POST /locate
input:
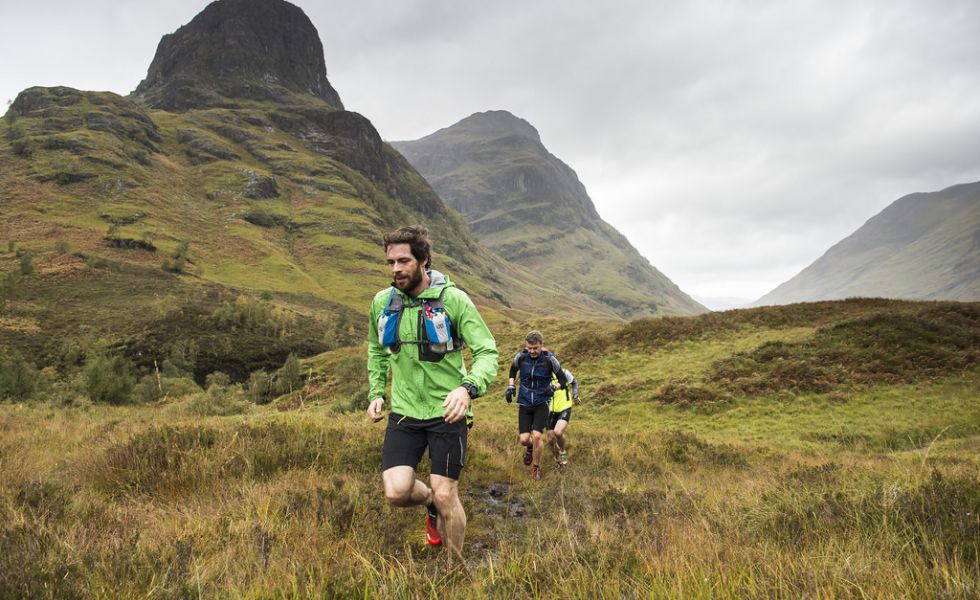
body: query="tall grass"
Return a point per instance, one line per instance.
(679, 486)
(289, 504)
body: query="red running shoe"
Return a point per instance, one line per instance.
(536, 473)
(527, 457)
(431, 533)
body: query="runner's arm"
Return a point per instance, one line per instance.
(377, 358)
(477, 336)
(559, 372)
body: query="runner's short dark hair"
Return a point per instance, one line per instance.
(534, 337)
(417, 237)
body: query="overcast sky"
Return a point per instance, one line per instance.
(732, 142)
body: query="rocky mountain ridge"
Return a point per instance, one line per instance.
(527, 205)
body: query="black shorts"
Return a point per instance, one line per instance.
(553, 418)
(532, 417)
(406, 440)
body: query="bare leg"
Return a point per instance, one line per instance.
(553, 442)
(537, 448)
(403, 489)
(559, 435)
(452, 517)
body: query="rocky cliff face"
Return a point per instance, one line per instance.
(238, 50)
(530, 207)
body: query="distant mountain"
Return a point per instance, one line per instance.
(230, 205)
(723, 303)
(923, 246)
(529, 207)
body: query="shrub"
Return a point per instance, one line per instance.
(684, 394)
(21, 148)
(263, 218)
(179, 262)
(216, 379)
(18, 378)
(352, 384)
(26, 263)
(142, 157)
(114, 241)
(108, 379)
(218, 401)
(290, 376)
(149, 389)
(260, 387)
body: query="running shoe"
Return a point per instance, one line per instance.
(527, 457)
(431, 533)
(563, 458)
(536, 473)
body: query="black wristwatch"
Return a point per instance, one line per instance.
(471, 390)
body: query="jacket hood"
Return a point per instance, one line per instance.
(437, 281)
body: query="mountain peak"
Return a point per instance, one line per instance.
(494, 123)
(239, 49)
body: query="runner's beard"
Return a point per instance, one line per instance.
(412, 282)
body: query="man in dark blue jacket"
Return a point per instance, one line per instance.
(535, 366)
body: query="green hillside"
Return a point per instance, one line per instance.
(530, 208)
(812, 450)
(921, 247)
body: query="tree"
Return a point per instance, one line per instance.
(290, 376)
(108, 379)
(18, 378)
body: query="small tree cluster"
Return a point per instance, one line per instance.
(253, 315)
(263, 387)
(18, 378)
(343, 329)
(108, 379)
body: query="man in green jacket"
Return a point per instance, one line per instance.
(418, 328)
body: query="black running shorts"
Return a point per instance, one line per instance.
(532, 417)
(406, 440)
(553, 418)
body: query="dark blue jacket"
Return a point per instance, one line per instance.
(535, 377)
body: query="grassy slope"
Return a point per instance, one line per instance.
(157, 179)
(869, 489)
(923, 246)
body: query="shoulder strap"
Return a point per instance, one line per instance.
(395, 303)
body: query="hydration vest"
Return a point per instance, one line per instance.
(436, 337)
(535, 377)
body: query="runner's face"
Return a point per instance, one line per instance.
(406, 270)
(533, 350)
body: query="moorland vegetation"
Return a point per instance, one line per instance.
(814, 450)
